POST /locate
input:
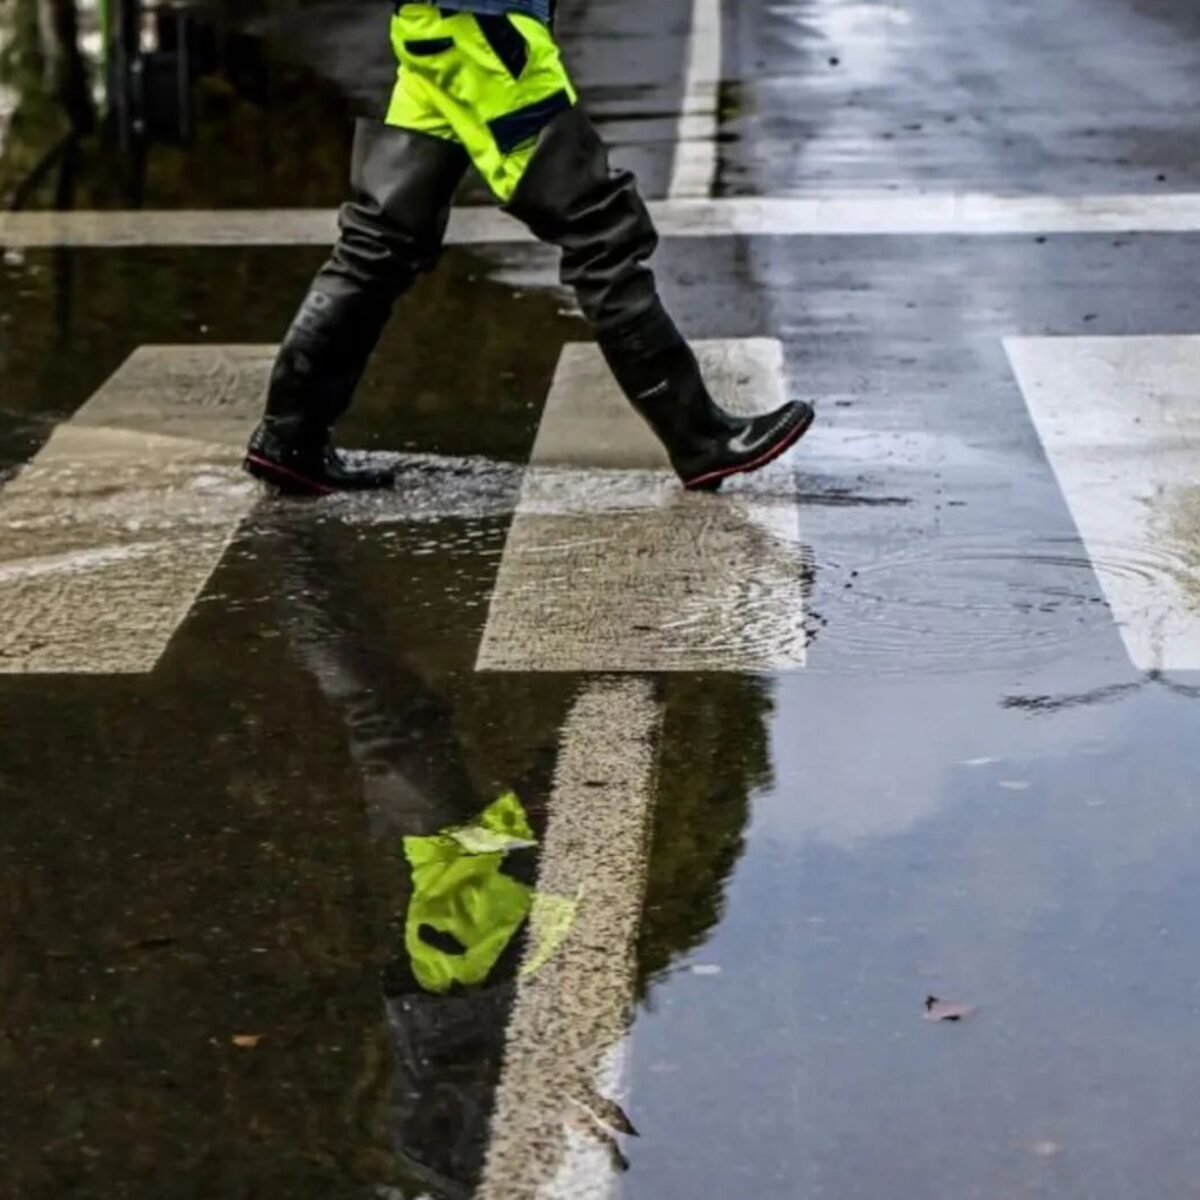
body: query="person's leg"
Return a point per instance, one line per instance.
(569, 196)
(500, 84)
(403, 180)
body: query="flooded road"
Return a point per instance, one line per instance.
(536, 830)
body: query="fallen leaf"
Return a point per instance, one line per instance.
(942, 1010)
(247, 1041)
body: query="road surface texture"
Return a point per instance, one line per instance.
(537, 832)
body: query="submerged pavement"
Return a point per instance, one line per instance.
(539, 831)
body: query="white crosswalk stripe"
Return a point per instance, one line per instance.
(610, 566)
(115, 527)
(1120, 421)
(557, 1114)
(950, 214)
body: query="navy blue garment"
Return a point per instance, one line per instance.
(541, 9)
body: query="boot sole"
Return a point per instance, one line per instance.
(712, 480)
(290, 483)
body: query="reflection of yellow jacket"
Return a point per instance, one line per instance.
(465, 910)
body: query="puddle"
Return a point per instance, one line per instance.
(221, 968)
(949, 604)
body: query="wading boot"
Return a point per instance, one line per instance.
(570, 197)
(659, 374)
(312, 382)
(389, 233)
(299, 467)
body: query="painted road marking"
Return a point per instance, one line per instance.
(933, 214)
(611, 567)
(695, 168)
(112, 531)
(557, 1104)
(1120, 420)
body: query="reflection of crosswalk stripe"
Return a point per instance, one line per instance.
(115, 527)
(952, 214)
(556, 1108)
(610, 566)
(1120, 420)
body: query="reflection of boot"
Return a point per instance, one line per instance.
(390, 232)
(571, 198)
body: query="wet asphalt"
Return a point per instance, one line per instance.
(969, 792)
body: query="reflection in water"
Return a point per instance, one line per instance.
(1036, 705)
(1183, 537)
(195, 111)
(46, 103)
(466, 908)
(463, 871)
(474, 926)
(715, 757)
(449, 994)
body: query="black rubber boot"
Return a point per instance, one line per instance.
(659, 373)
(390, 232)
(299, 465)
(571, 198)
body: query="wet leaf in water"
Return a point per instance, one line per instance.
(943, 1010)
(247, 1041)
